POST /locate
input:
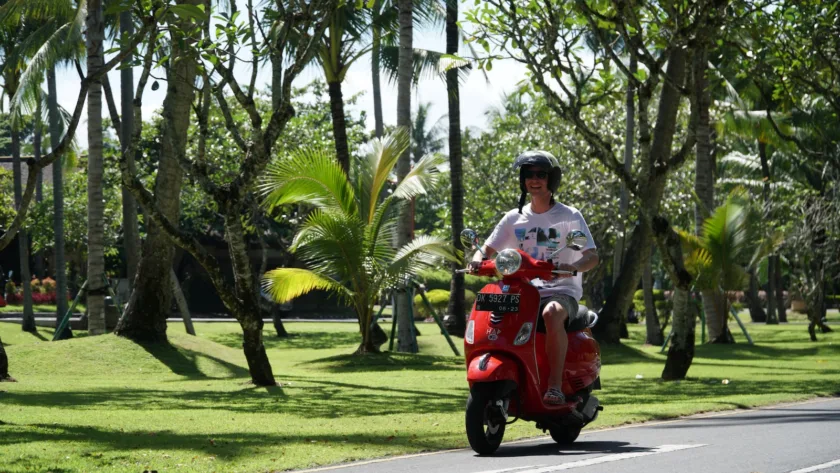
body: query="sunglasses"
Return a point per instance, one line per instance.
(530, 174)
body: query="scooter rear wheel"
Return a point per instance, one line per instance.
(485, 424)
(564, 435)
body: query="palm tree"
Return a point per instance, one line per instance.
(405, 224)
(15, 28)
(347, 241)
(131, 232)
(425, 139)
(57, 38)
(96, 208)
(728, 247)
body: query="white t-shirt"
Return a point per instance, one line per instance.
(539, 235)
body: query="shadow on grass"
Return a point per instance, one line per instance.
(39, 335)
(303, 340)
(629, 391)
(625, 354)
(185, 362)
(299, 396)
(386, 362)
(225, 445)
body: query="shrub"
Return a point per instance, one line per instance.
(439, 300)
(10, 291)
(48, 283)
(441, 279)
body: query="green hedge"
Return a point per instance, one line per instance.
(441, 279)
(439, 299)
(663, 306)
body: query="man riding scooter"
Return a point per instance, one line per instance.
(538, 228)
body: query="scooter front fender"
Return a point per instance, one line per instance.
(490, 367)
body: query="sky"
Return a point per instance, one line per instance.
(478, 93)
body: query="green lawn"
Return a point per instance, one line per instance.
(107, 404)
(48, 308)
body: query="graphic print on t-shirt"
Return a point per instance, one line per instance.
(536, 241)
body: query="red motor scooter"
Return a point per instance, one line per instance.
(507, 367)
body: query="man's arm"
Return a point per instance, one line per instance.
(586, 262)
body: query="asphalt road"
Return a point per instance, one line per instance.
(792, 438)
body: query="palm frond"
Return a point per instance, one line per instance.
(422, 252)
(331, 242)
(284, 284)
(427, 64)
(380, 162)
(420, 179)
(756, 184)
(308, 175)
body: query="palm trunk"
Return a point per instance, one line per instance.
(250, 318)
(653, 330)
(629, 139)
(376, 50)
(405, 325)
(704, 180)
(28, 324)
(339, 126)
(608, 329)
(780, 293)
(771, 267)
(58, 207)
(39, 189)
(131, 232)
(4, 365)
(151, 300)
(456, 308)
(97, 286)
(757, 313)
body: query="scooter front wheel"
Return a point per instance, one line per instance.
(564, 435)
(484, 421)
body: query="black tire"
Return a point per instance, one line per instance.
(484, 430)
(564, 435)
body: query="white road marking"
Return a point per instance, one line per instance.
(821, 466)
(606, 459)
(508, 470)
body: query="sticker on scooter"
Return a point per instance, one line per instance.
(493, 334)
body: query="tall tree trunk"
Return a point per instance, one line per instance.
(653, 330)
(28, 324)
(456, 308)
(771, 266)
(375, 53)
(131, 232)
(39, 188)
(250, 319)
(629, 140)
(683, 320)
(97, 286)
(405, 332)
(151, 300)
(4, 365)
(704, 181)
(58, 206)
(780, 293)
(757, 313)
(339, 124)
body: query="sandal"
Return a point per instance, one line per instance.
(554, 397)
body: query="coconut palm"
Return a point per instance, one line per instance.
(347, 241)
(730, 244)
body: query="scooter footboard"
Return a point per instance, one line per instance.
(492, 367)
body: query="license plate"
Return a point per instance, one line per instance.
(498, 303)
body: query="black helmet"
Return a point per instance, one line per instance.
(542, 159)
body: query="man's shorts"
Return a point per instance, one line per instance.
(567, 302)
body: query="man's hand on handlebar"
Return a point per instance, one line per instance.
(565, 270)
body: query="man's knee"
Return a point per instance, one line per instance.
(555, 315)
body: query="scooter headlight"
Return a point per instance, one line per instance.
(469, 336)
(508, 261)
(524, 334)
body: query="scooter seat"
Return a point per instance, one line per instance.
(585, 318)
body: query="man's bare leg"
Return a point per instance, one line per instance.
(556, 342)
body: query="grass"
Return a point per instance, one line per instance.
(107, 404)
(48, 308)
